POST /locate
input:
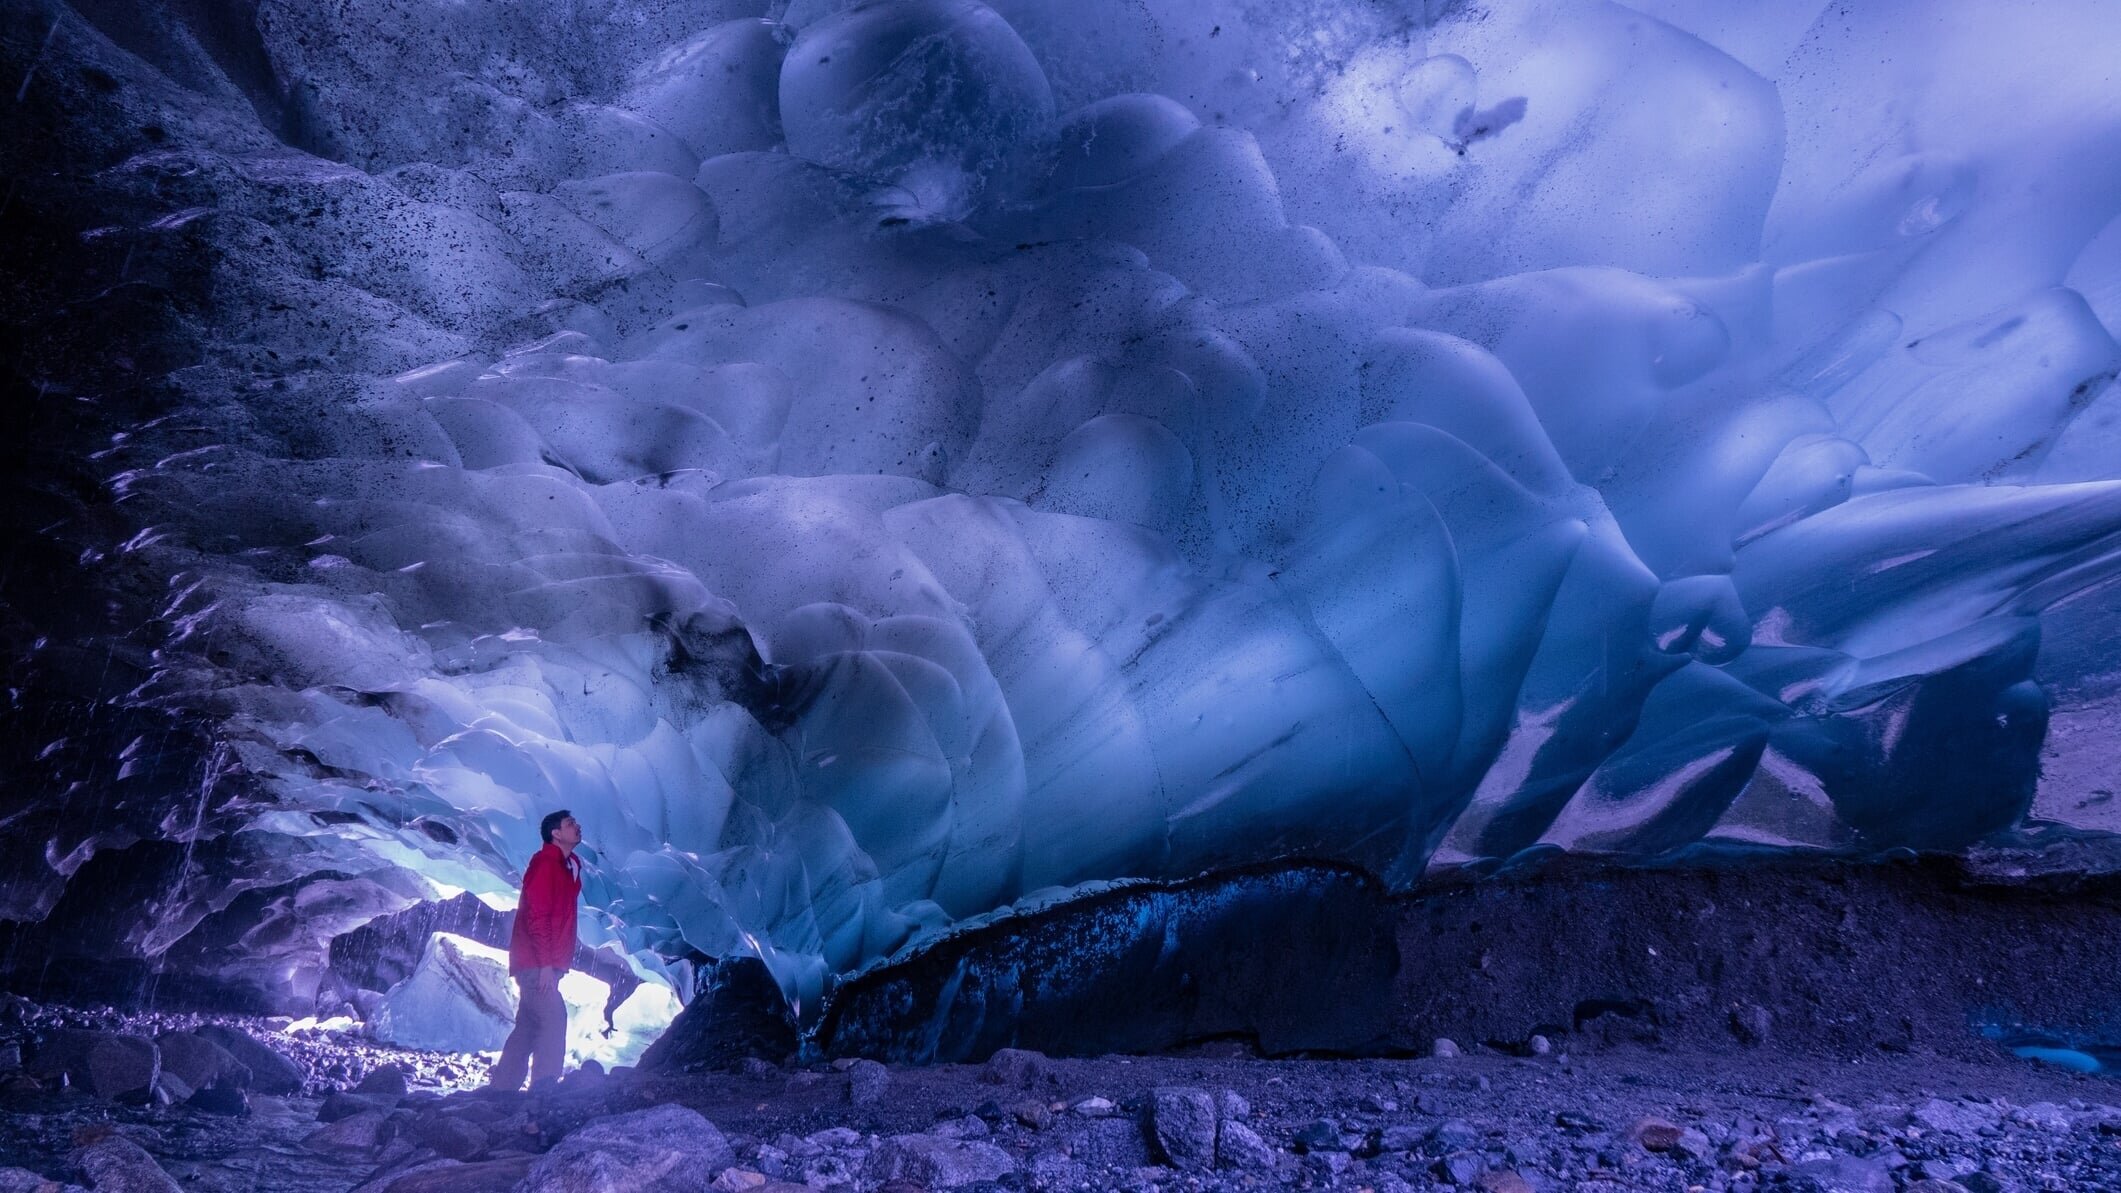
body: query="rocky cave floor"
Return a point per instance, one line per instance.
(1586, 1114)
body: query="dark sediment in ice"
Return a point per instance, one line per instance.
(1297, 959)
(739, 1014)
(1811, 955)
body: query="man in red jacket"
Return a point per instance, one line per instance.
(539, 951)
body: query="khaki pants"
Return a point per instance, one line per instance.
(539, 1041)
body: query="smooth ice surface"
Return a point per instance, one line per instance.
(877, 463)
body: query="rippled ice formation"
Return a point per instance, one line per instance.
(877, 463)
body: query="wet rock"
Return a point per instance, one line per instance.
(388, 1081)
(270, 1072)
(1017, 1067)
(449, 1176)
(1239, 1147)
(124, 1066)
(199, 1061)
(116, 1164)
(345, 1105)
(357, 1133)
(936, 1163)
(450, 1136)
(589, 1076)
(107, 1064)
(866, 1082)
(168, 1090)
(227, 1101)
(62, 1052)
(664, 1149)
(1181, 1125)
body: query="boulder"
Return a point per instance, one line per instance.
(168, 1090)
(226, 1100)
(1019, 1067)
(935, 1163)
(740, 1013)
(270, 1072)
(664, 1149)
(121, 1066)
(115, 1164)
(356, 1134)
(866, 1082)
(450, 1135)
(388, 1080)
(201, 1062)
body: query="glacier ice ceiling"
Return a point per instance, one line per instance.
(880, 464)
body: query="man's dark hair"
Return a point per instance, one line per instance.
(550, 823)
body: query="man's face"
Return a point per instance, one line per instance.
(568, 835)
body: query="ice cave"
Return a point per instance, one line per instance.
(896, 469)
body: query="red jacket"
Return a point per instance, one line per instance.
(544, 931)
